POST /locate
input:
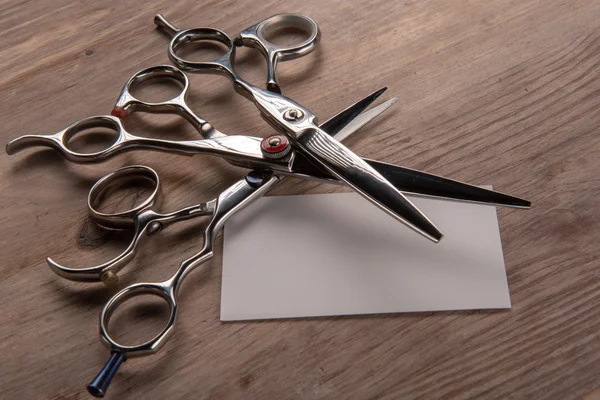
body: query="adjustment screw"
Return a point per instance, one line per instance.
(293, 114)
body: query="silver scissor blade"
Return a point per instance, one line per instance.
(336, 123)
(411, 181)
(361, 120)
(342, 163)
(421, 183)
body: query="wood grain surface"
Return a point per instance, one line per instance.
(491, 92)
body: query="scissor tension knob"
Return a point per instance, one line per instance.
(293, 114)
(275, 146)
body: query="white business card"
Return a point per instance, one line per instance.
(336, 254)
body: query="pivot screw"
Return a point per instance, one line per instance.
(293, 114)
(275, 146)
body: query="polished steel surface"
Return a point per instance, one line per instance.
(357, 122)
(245, 152)
(232, 199)
(366, 181)
(254, 36)
(244, 149)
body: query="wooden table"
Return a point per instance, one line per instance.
(496, 92)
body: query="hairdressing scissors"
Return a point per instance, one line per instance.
(297, 123)
(272, 153)
(246, 151)
(232, 199)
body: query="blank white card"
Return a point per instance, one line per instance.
(336, 254)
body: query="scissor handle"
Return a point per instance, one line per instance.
(128, 103)
(60, 140)
(239, 195)
(255, 36)
(120, 353)
(234, 198)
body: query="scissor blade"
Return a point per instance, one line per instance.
(411, 181)
(342, 163)
(337, 123)
(421, 183)
(361, 120)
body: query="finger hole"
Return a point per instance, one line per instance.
(201, 45)
(91, 139)
(139, 318)
(286, 36)
(117, 197)
(202, 51)
(288, 30)
(157, 88)
(124, 195)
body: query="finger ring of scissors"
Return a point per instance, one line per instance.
(128, 103)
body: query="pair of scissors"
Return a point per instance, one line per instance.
(296, 122)
(232, 199)
(271, 153)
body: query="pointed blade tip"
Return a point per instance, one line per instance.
(435, 236)
(380, 91)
